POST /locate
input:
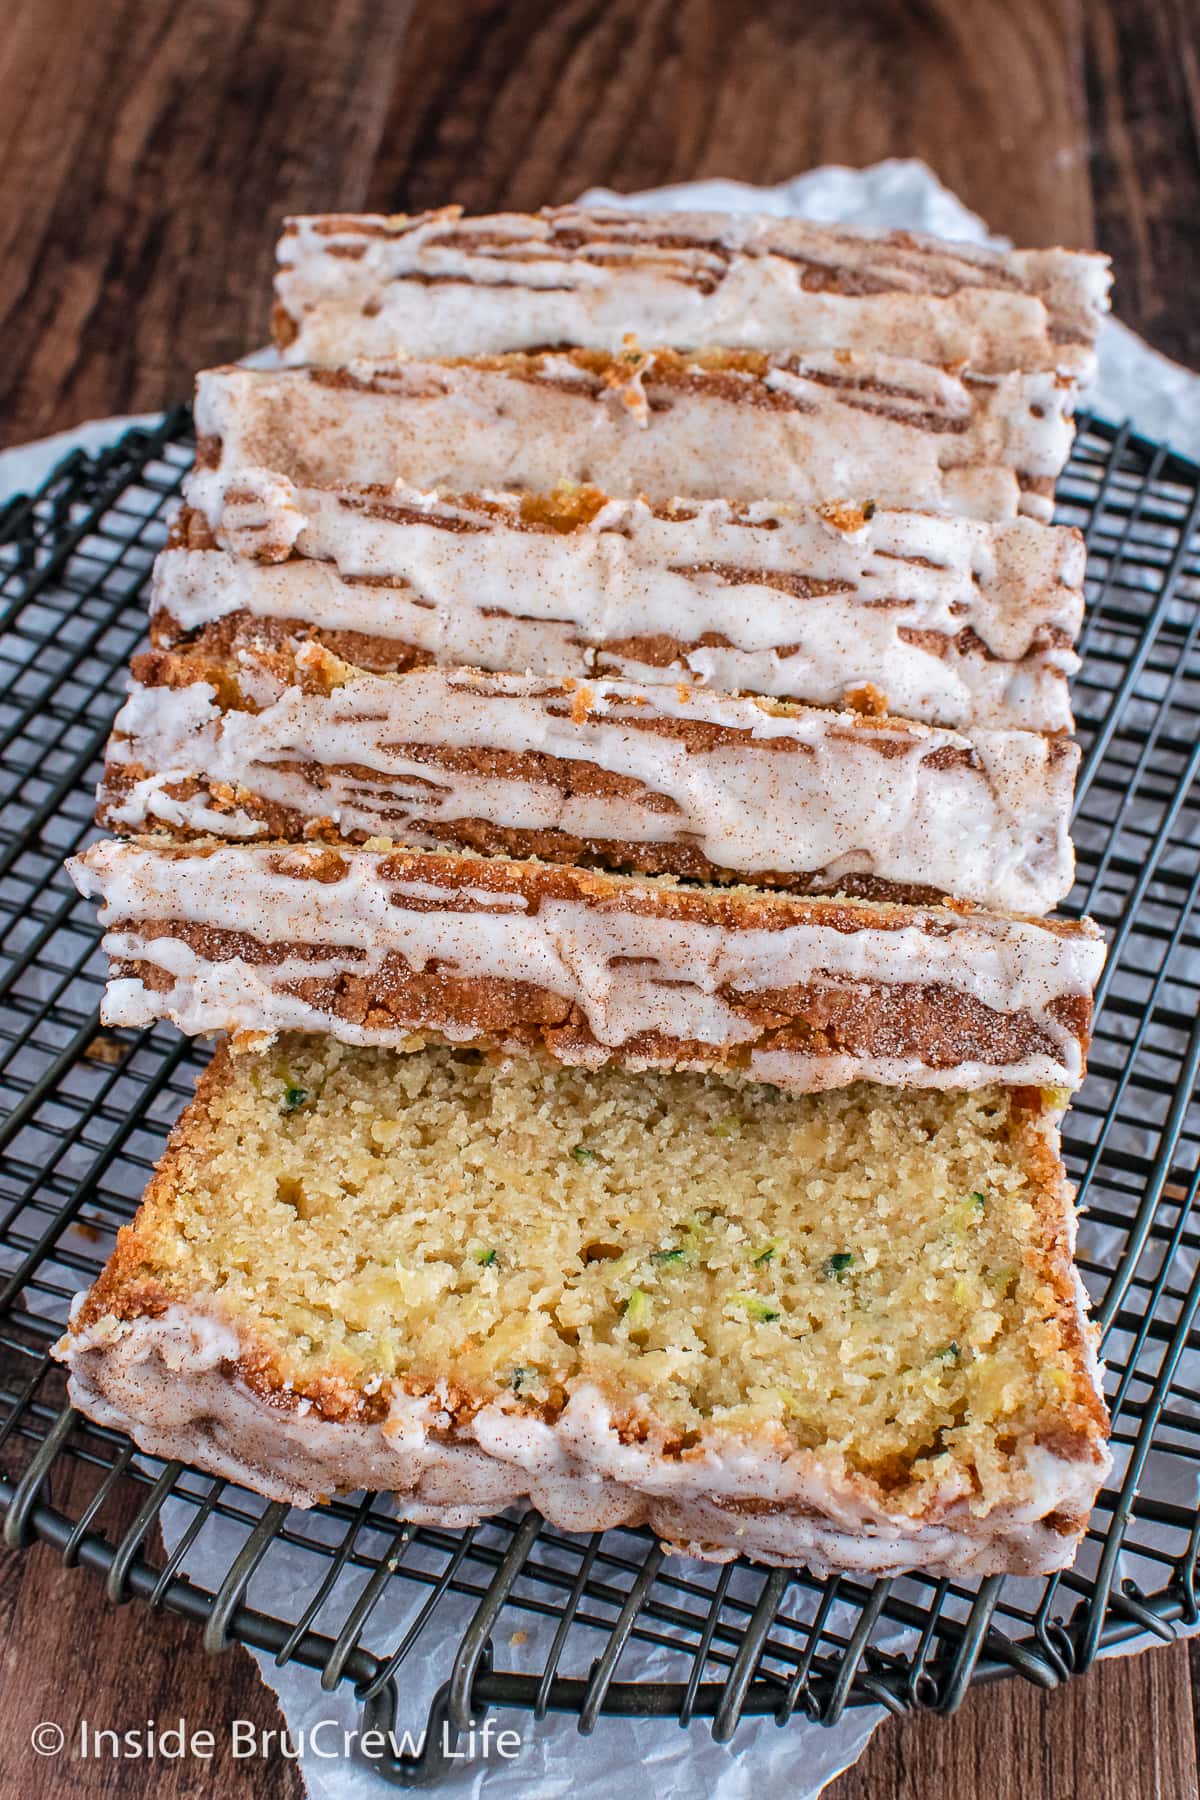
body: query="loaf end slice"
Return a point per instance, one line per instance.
(840, 1330)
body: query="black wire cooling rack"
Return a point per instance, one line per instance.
(604, 1624)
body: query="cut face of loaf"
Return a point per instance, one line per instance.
(439, 284)
(946, 620)
(658, 780)
(717, 425)
(375, 945)
(840, 1330)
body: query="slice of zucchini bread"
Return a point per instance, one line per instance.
(374, 944)
(947, 620)
(717, 425)
(436, 283)
(841, 1330)
(295, 743)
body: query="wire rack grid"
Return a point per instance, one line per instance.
(86, 1112)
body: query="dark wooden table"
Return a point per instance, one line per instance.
(149, 149)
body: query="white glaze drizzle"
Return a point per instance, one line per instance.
(493, 595)
(359, 287)
(801, 792)
(828, 423)
(628, 972)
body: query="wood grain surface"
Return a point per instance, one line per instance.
(150, 148)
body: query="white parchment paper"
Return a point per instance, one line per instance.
(644, 1756)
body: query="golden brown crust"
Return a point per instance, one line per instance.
(284, 329)
(121, 1288)
(221, 639)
